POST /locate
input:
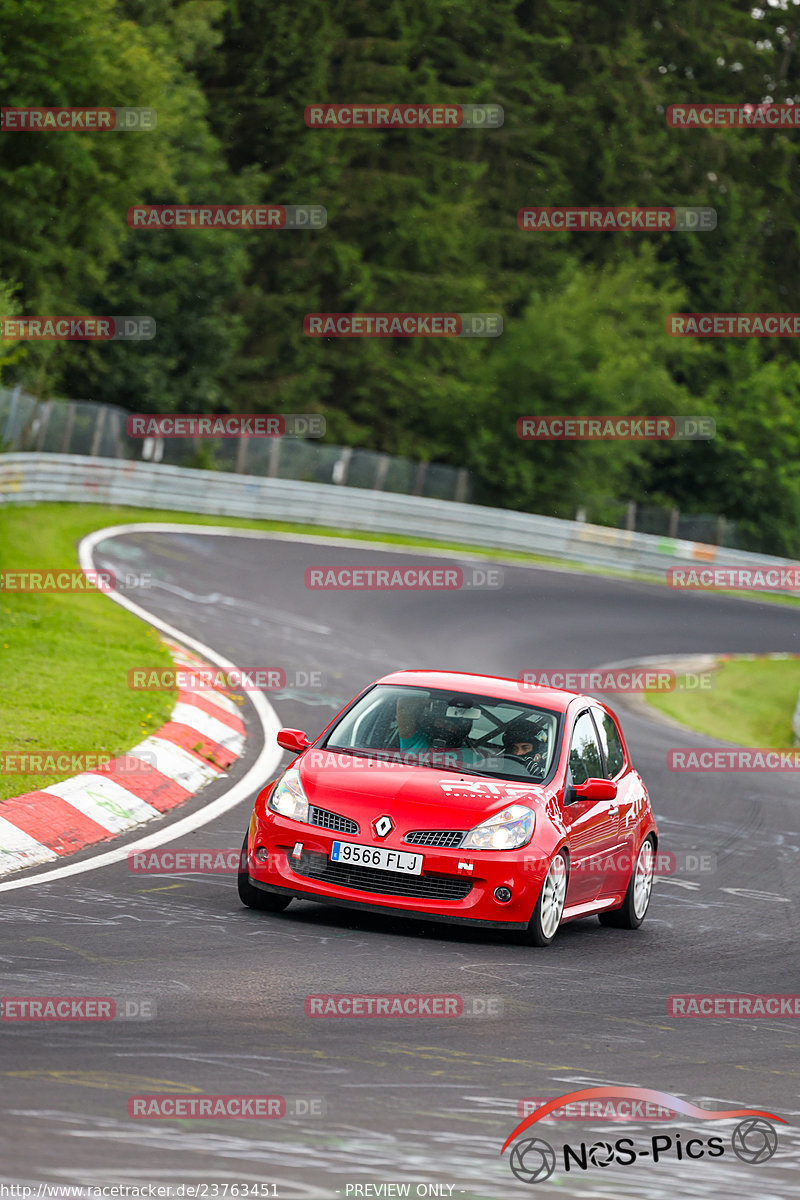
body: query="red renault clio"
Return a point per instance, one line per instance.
(456, 797)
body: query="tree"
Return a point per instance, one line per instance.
(64, 197)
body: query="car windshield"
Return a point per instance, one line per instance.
(450, 730)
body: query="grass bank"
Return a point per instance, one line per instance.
(751, 702)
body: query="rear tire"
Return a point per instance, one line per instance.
(254, 897)
(543, 925)
(640, 889)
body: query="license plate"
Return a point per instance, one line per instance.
(378, 857)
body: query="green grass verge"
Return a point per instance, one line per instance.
(65, 657)
(750, 703)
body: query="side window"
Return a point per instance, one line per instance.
(584, 752)
(610, 741)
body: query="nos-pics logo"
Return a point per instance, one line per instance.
(534, 1160)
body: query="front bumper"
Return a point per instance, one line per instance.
(443, 892)
(364, 906)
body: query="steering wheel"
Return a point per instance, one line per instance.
(534, 765)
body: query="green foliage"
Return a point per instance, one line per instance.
(9, 307)
(64, 198)
(426, 221)
(583, 346)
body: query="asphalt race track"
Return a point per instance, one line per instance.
(427, 1101)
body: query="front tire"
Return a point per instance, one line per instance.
(640, 889)
(254, 897)
(543, 925)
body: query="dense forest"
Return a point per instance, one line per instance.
(424, 221)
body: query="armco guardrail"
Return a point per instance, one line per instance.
(32, 426)
(32, 478)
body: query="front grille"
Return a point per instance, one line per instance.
(367, 879)
(330, 820)
(449, 838)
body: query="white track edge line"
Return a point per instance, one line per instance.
(259, 772)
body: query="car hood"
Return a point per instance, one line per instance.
(416, 797)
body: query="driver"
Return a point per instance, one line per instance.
(527, 741)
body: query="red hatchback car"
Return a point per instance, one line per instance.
(457, 797)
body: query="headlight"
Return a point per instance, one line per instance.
(506, 830)
(288, 798)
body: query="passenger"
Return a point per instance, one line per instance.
(409, 715)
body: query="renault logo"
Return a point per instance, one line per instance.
(383, 826)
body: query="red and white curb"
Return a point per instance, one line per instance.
(204, 736)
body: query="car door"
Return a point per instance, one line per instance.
(630, 794)
(592, 825)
